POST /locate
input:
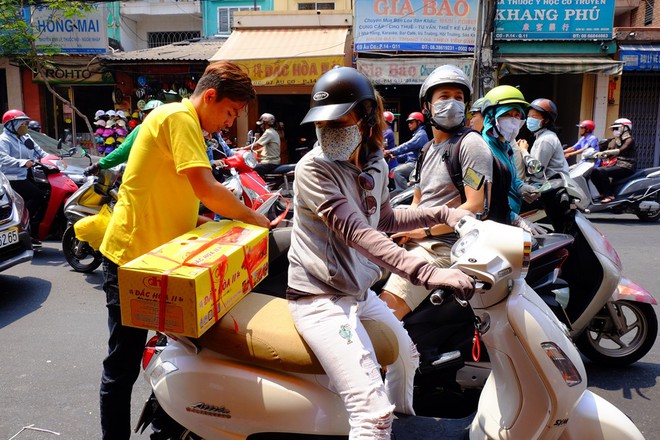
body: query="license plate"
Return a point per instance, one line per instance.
(8, 237)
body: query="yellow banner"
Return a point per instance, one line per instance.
(289, 71)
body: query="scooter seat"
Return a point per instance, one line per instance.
(284, 169)
(639, 174)
(267, 337)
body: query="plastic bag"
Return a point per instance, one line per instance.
(92, 229)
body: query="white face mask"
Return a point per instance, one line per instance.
(509, 127)
(338, 143)
(449, 113)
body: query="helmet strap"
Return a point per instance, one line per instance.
(10, 127)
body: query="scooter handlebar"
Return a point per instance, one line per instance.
(439, 296)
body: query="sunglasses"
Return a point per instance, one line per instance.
(367, 184)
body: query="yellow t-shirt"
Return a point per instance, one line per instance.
(156, 201)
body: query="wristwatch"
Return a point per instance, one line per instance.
(427, 231)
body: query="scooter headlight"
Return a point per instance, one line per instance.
(233, 184)
(250, 159)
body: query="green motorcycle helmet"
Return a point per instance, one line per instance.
(503, 95)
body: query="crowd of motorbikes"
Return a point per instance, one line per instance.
(538, 301)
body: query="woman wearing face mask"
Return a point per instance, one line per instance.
(547, 148)
(619, 159)
(342, 202)
(504, 111)
(18, 152)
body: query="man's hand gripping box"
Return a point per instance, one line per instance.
(187, 284)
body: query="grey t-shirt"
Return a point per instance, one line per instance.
(271, 143)
(548, 150)
(435, 183)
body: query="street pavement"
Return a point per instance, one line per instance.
(53, 337)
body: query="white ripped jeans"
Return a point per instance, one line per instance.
(331, 327)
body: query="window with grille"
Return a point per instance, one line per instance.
(648, 12)
(226, 18)
(316, 6)
(157, 39)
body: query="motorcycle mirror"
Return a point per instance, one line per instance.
(533, 166)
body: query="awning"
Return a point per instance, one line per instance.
(285, 56)
(558, 65)
(643, 57)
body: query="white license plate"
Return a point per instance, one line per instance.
(8, 237)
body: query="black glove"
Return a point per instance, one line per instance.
(92, 170)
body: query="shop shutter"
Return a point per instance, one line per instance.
(640, 102)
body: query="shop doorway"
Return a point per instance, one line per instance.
(640, 102)
(87, 99)
(289, 110)
(564, 90)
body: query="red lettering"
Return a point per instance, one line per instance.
(461, 8)
(393, 7)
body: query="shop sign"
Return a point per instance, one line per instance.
(407, 71)
(87, 73)
(416, 25)
(554, 19)
(82, 34)
(643, 58)
(289, 71)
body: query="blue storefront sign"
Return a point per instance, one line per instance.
(84, 33)
(554, 19)
(416, 25)
(644, 57)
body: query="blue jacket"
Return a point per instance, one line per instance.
(14, 154)
(409, 151)
(388, 134)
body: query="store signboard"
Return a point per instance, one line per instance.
(416, 25)
(67, 72)
(289, 71)
(554, 19)
(85, 33)
(407, 71)
(640, 57)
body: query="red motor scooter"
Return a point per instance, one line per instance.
(238, 175)
(57, 187)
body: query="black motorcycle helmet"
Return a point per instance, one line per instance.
(34, 125)
(337, 92)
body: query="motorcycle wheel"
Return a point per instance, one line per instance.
(650, 217)
(79, 255)
(603, 343)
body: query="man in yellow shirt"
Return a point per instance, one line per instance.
(167, 174)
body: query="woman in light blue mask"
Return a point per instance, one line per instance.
(342, 207)
(504, 115)
(547, 148)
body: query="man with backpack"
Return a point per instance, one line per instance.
(454, 169)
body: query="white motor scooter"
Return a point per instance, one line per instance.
(262, 381)
(637, 194)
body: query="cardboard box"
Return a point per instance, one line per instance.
(187, 284)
